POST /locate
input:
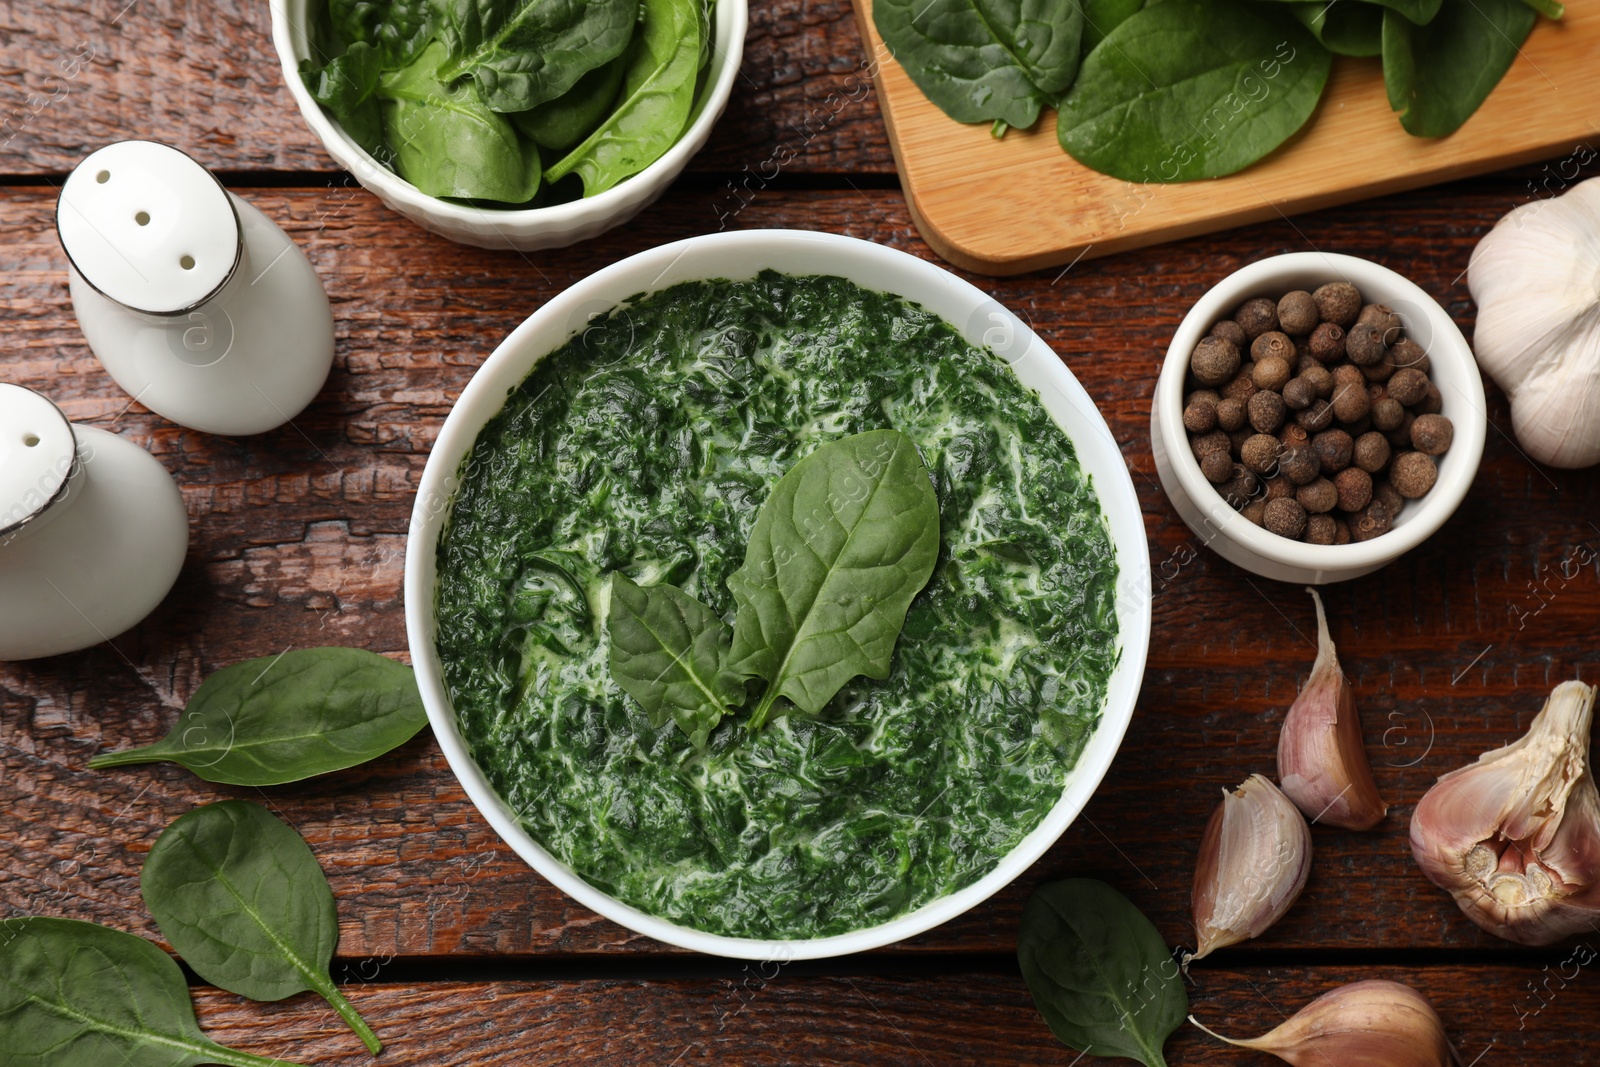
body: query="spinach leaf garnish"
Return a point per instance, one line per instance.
(841, 546)
(240, 897)
(670, 652)
(521, 53)
(1098, 970)
(1437, 75)
(76, 992)
(657, 96)
(1191, 89)
(983, 60)
(279, 719)
(845, 540)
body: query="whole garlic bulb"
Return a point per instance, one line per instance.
(1536, 280)
(1515, 837)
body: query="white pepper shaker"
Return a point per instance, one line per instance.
(93, 530)
(196, 303)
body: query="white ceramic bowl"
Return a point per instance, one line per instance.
(1234, 537)
(741, 255)
(532, 228)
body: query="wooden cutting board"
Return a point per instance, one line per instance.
(1021, 203)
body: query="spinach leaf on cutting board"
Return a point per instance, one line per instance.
(670, 653)
(241, 898)
(1437, 75)
(1189, 89)
(521, 53)
(77, 993)
(1098, 970)
(985, 60)
(279, 719)
(657, 97)
(843, 543)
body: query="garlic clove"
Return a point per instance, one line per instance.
(1373, 1023)
(1254, 860)
(1515, 837)
(1536, 279)
(1321, 762)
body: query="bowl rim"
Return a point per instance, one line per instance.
(731, 20)
(1378, 284)
(565, 315)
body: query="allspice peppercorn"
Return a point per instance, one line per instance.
(1327, 342)
(1215, 361)
(1317, 496)
(1321, 529)
(1241, 388)
(1408, 385)
(1254, 511)
(1217, 467)
(1266, 411)
(1238, 490)
(1387, 414)
(1384, 318)
(1433, 403)
(1432, 434)
(1215, 441)
(1260, 453)
(1333, 448)
(1200, 416)
(1400, 436)
(1297, 313)
(1341, 532)
(1338, 303)
(1232, 332)
(1413, 474)
(1407, 353)
(1355, 488)
(1374, 520)
(1270, 371)
(1350, 401)
(1230, 414)
(1386, 493)
(1272, 343)
(1321, 379)
(1379, 371)
(1317, 417)
(1299, 464)
(1257, 316)
(1278, 487)
(1371, 452)
(1298, 393)
(1363, 344)
(1284, 517)
(1293, 434)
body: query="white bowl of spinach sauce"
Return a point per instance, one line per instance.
(634, 426)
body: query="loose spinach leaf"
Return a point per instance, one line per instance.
(657, 97)
(240, 897)
(447, 143)
(982, 60)
(561, 123)
(841, 546)
(280, 719)
(670, 652)
(1345, 27)
(522, 53)
(1099, 972)
(1439, 74)
(1100, 17)
(1191, 89)
(77, 993)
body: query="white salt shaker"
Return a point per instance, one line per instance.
(196, 303)
(92, 530)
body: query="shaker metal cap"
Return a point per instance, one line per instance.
(148, 226)
(37, 452)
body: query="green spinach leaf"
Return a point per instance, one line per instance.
(77, 993)
(1345, 27)
(398, 30)
(1099, 972)
(447, 143)
(670, 652)
(1437, 75)
(657, 97)
(841, 546)
(240, 897)
(1100, 17)
(561, 123)
(521, 53)
(280, 719)
(985, 60)
(358, 41)
(1191, 89)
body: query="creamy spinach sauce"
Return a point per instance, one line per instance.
(645, 445)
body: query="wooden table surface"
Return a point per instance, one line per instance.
(455, 951)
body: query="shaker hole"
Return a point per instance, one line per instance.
(103, 177)
(186, 262)
(142, 218)
(31, 440)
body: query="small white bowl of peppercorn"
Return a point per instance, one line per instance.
(1317, 417)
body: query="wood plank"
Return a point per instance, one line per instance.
(204, 76)
(769, 1016)
(1055, 209)
(298, 535)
